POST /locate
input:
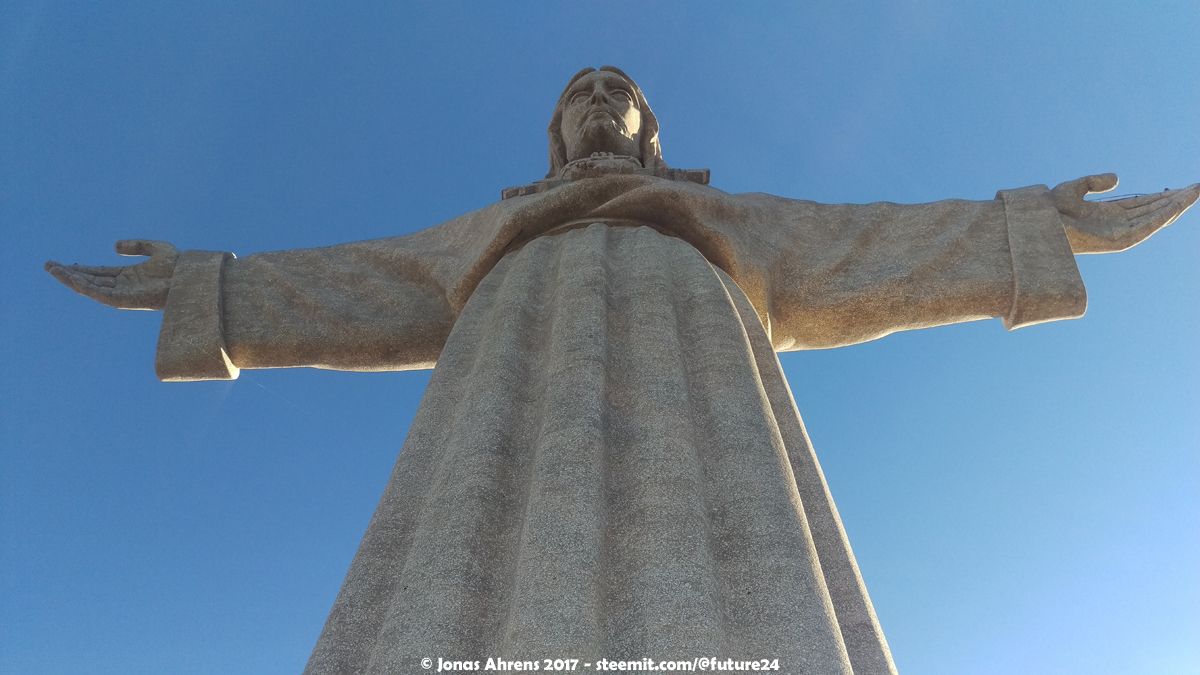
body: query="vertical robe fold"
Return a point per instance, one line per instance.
(608, 462)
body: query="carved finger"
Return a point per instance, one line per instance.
(143, 247)
(1158, 218)
(133, 247)
(1130, 203)
(98, 270)
(1182, 203)
(1081, 187)
(1145, 204)
(1182, 200)
(82, 283)
(85, 273)
(1190, 195)
(59, 271)
(99, 279)
(1187, 195)
(1075, 189)
(1102, 182)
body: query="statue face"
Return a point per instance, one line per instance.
(601, 114)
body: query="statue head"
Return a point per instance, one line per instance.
(603, 111)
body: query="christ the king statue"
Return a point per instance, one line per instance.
(608, 462)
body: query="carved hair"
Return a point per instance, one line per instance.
(648, 137)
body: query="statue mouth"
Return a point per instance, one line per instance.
(604, 118)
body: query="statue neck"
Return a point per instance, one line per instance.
(604, 164)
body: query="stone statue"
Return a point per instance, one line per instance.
(608, 462)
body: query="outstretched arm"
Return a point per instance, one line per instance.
(842, 274)
(366, 306)
(373, 305)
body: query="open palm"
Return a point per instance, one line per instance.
(1108, 227)
(141, 286)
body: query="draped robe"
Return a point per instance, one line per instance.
(608, 462)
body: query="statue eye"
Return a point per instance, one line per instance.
(578, 96)
(621, 93)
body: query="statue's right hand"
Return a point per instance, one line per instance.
(141, 286)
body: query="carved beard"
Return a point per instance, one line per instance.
(604, 133)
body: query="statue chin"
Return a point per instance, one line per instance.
(600, 164)
(602, 136)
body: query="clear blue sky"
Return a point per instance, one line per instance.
(1021, 502)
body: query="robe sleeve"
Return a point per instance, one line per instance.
(842, 274)
(375, 305)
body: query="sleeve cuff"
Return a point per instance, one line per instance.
(1046, 285)
(191, 344)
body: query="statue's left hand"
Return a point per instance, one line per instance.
(141, 286)
(1108, 227)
